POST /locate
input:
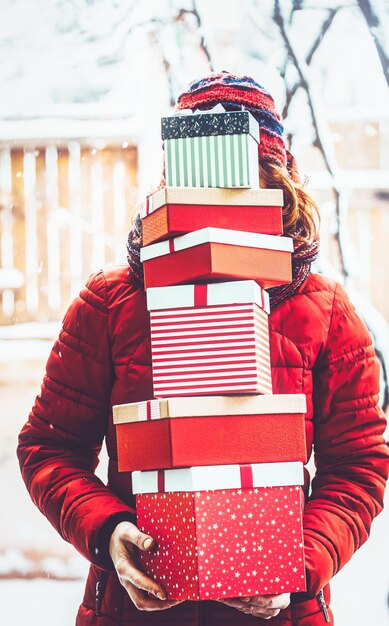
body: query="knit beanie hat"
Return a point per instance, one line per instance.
(237, 93)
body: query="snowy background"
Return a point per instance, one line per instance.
(83, 84)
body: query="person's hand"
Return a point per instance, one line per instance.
(265, 607)
(146, 593)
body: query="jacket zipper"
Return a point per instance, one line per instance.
(100, 588)
(322, 605)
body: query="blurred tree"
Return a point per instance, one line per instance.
(374, 14)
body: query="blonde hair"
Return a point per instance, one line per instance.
(300, 213)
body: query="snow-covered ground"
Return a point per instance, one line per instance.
(39, 602)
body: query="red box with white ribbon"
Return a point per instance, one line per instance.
(239, 429)
(223, 531)
(208, 349)
(212, 254)
(174, 211)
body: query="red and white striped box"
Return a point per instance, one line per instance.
(223, 531)
(202, 348)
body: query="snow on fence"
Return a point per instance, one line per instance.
(64, 212)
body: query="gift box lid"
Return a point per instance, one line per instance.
(208, 294)
(217, 235)
(211, 195)
(213, 477)
(208, 124)
(198, 406)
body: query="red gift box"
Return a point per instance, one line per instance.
(239, 429)
(242, 538)
(212, 254)
(173, 211)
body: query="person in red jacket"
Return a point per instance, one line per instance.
(319, 346)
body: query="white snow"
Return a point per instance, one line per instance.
(13, 560)
(31, 330)
(10, 278)
(27, 342)
(39, 602)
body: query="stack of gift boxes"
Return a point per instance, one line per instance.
(216, 458)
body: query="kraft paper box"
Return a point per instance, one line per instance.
(210, 196)
(169, 213)
(214, 254)
(155, 434)
(223, 531)
(211, 150)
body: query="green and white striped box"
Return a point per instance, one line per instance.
(212, 161)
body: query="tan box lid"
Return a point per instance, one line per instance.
(199, 406)
(211, 195)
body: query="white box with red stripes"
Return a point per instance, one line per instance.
(210, 339)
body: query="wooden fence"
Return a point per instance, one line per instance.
(65, 209)
(64, 212)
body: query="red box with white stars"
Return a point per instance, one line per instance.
(226, 542)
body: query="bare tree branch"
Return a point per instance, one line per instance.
(321, 132)
(324, 28)
(154, 38)
(371, 13)
(203, 44)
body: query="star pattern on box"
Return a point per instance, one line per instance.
(225, 543)
(205, 124)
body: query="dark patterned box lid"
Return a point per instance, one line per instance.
(210, 124)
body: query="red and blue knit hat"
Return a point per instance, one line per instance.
(235, 93)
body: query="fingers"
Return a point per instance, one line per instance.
(135, 536)
(251, 609)
(236, 603)
(263, 613)
(147, 594)
(144, 602)
(264, 607)
(128, 573)
(280, 601)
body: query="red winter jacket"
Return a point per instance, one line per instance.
(319, 347)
